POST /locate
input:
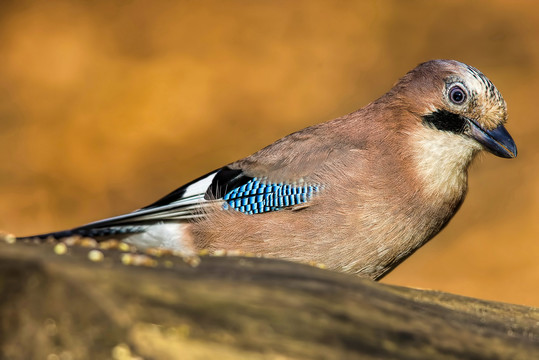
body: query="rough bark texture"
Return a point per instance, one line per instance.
(69, 307)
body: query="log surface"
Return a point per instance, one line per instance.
(236, 308)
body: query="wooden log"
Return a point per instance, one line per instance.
(78, 302)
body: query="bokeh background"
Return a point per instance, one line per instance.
(106, 106)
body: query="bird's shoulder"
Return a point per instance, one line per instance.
(305, 154)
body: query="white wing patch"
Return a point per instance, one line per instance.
(189, 206)
(200, 187)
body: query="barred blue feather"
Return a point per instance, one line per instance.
(258, 196)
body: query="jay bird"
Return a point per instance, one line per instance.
(358, 194)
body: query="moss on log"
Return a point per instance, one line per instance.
(70, 307)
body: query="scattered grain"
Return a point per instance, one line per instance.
(95, 255)
(60, 249)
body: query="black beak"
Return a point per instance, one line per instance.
(497, 141)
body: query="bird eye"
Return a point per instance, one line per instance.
(457, 95)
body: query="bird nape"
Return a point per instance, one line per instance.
(359, 193)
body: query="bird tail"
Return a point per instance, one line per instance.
(163, 212)
(98, 233)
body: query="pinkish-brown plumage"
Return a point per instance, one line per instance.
(388, 178)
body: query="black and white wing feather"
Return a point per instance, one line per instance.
(231, 187)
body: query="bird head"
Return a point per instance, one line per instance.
(452, 97)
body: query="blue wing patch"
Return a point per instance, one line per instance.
(258, 196)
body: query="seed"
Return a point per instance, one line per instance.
(60, 249)
(95, 255)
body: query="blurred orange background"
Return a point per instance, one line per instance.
(106, 106)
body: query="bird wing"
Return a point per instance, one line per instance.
(282, 175)
(184, 203)
(286, 174)
(231, 187)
